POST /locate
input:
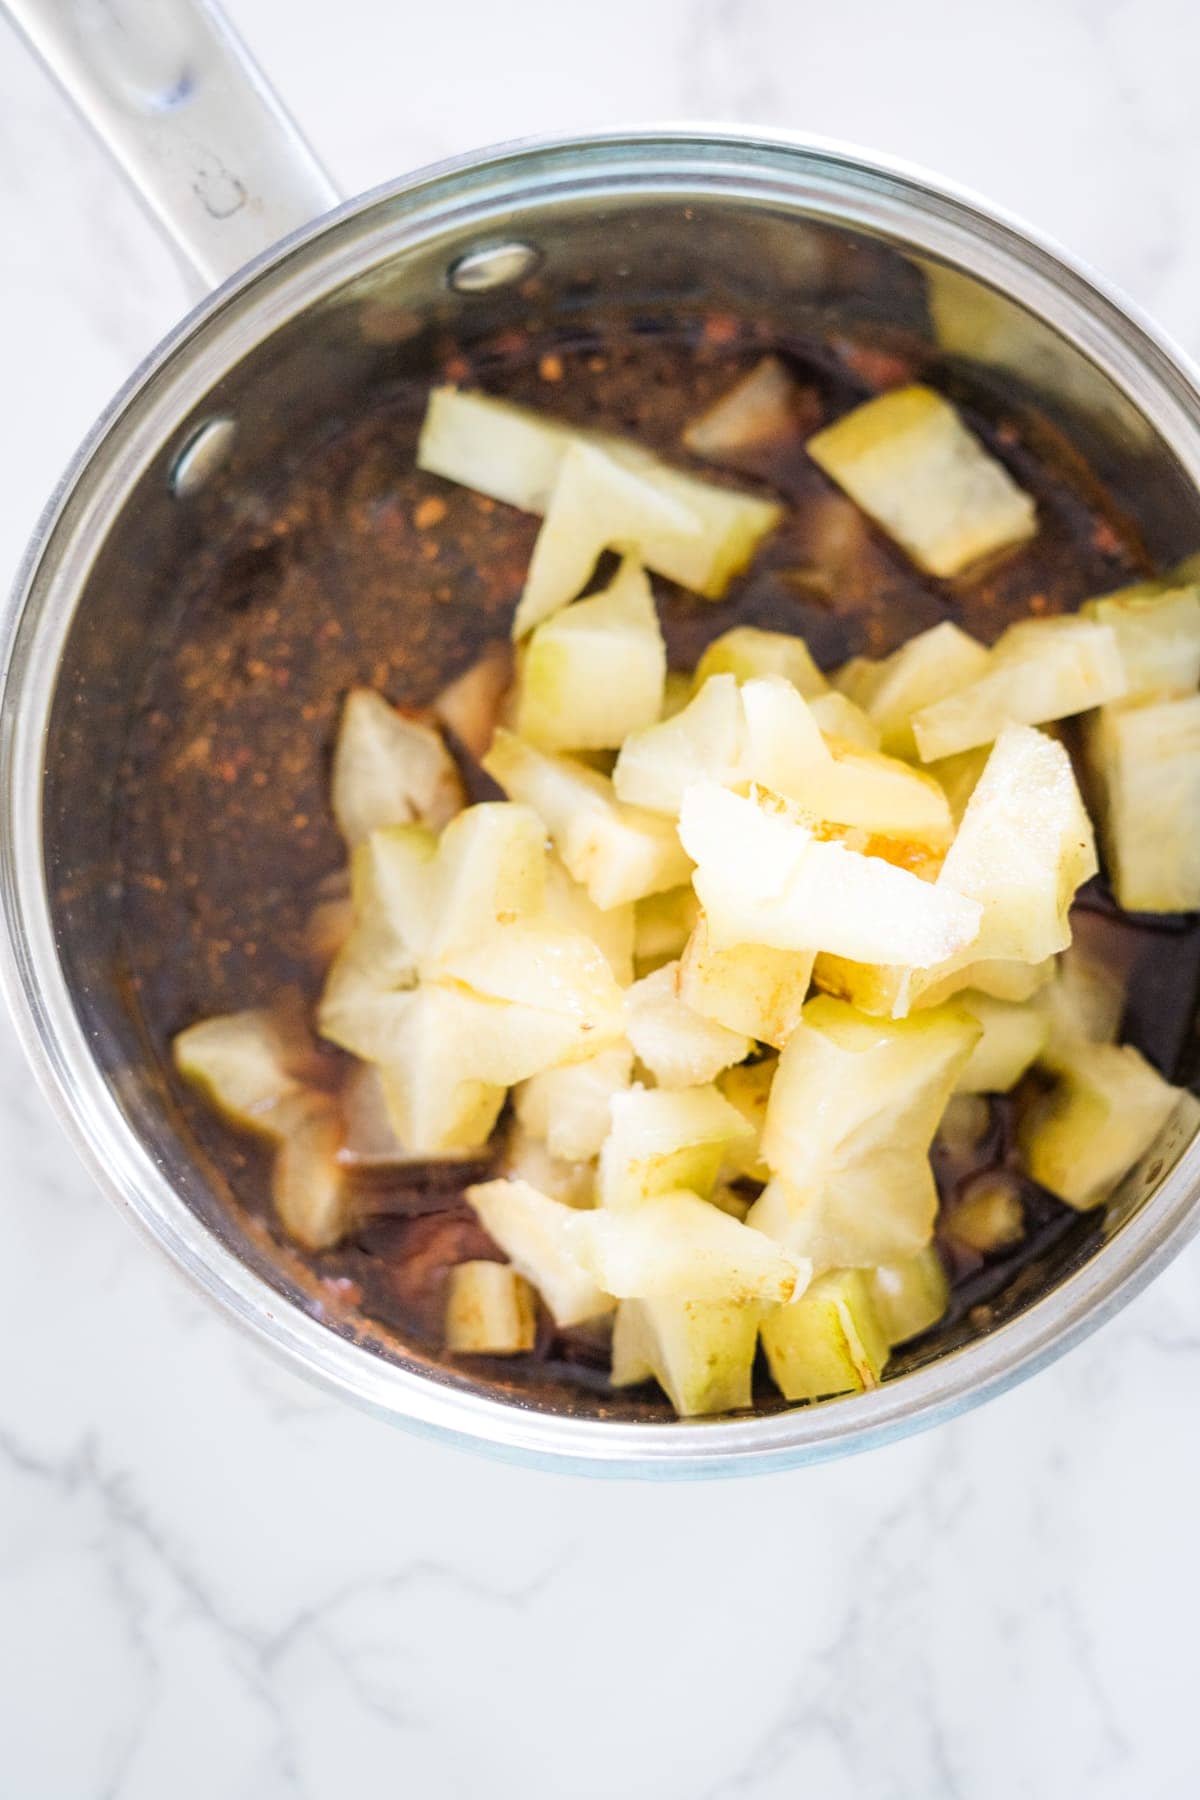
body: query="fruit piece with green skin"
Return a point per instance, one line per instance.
(929, 666)
(677, 1246)
(748, 988)
(1158, 637)
(705, 739)
(828, 1342)
(1038, 671)
(840, 721)
(309, 1188)
(701, 1353)
(516, 455)
(1145, 766)
(909, 1297)
(540, 1237)
(1013, 1038)
(1106, 1110)
(594, 672)
(763, 878)
(908, 461)
(389, 770)
(747, 651)
(853, 1108)
(244, 1065)
(681, 1048)
(757, 411)
(571, 1108)
(489, 1310)
(619, 853)
(596, 505)
(748, 1088)
(661, 1140)
(663, 924)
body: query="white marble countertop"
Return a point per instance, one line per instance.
(217, 1583)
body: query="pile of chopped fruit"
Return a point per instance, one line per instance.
(738, 941)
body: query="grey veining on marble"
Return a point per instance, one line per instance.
(217, 1583)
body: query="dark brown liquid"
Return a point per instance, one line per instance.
(350, 575)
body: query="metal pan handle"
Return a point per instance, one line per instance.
(172, 93)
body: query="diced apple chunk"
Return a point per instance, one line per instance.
(471, 705)
(243, 1064)
(925, 669)
(677, 1246)
(828, 1342)
(594, 672)
(1158, 636)
(571, 1108)
(680, 1047)
(747, 651)
(436, 1098)
(989, 1216)
(619, 853)
(491, 870)
(309, 1188)
(526, 1158)
(763, 878)
(1108, 1107)
(909, 1297)
(909, 461)
(758, 410)
(489, 1310)
(705, 740)
(389, 770)
(748, 988)
(840, 721)
(877, 794)
(540, 1237)
(700, 1353)
(662, 926)
(1146, 765)
(611, 929)
(1013, 1038)
(853, 1109)
(748, 1087)
(662, 1140)
(516, 456)
(1040, 670)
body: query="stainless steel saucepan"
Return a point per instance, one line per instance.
(284, 338)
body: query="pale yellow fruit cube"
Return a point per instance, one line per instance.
(828, 1342)
(389, 770)
(1145, 762)
(594, 672)
(490, 1310)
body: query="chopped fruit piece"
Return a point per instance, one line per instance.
(437, 1099)
(308, 1185)
(370, 1140)
(1013, 1038)
(677, 1246)
(958, 777)
(909, 461)
(1158, 636)
(244, 1065)
(783, 746)
(680, 1047)
(828, 1342)
(747, 651)
(619, 853)
(1105, 1112)
(516, 456)
(329, 926)
(989, 1216)
(1146, 765)
(706, 739)
(757, 411)
(748, 988)
(491, 870)
(594, 672)
(748, 1087)
(526, 1158)
(1003, 980)
(840, 721)
(489, 1310)
(540, 1238)
(874, 793)
(393, 887)
(571, 1108)
(471, 706)
(596, 505)
(611, 928)
(700, 1353)
(1040, 670)
(663, 925)
(909, 1297)
(964, 1124)
(928, 667)
(764, 879)
(853, 1109)
(661, 1140)
(389, 770)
